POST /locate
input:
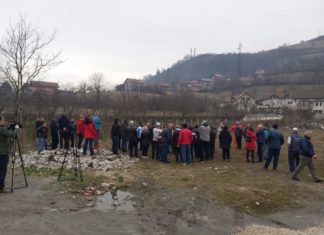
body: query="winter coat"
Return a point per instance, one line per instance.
(185, 137)
(225, 139)
(145, 138)
(63, 122)
(250, 145)
(307, 148)
(43, 132)
(132, 134)
(156, 133)
(204, 133)
(295, 143)
(124, 132)
(97, 122)
(53, 127)
(260, 136)
(5, 136)
(90, 131)
(175, 136)
(38, 127)
(80, 127)
(115, 130)
(275, 139)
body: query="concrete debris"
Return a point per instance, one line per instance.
(103, 162)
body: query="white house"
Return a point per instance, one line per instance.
(244, 102)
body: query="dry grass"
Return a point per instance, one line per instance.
(243, 186)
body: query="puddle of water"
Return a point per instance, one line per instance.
(118, 201)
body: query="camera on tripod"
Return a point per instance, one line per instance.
(12, 125)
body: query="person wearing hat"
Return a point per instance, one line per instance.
(294, 144)
(307, 156)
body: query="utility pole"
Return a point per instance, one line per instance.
(239, 59)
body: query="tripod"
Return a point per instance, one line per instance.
(76, 161)
(15, 145)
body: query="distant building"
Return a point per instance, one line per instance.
(131, 84)
(312, 101)
(244, 102)
(217, 77)
(48, 88)
(259, 73)
(194, 86)
(5, 88)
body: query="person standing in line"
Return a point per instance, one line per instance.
(275, 140)
(98, 124)
(204, 133)
(115, 136)
(225, 141)
(124, 136)
(250, 144)
(155, 147)
(38, 126)
(54, 133)
(308, 154)
(260, 141)
(133, 151)
(80, 131)
(73, 127)
(175, 139)
(64, 129)
(138, 134)
(5, 136)
(294, 147)
(184, 143)
(43, 132)
(89, 135)
(213, 135)
(145, 141)
(238, 134)
(166, 142)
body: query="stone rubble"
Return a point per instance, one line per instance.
(103, 162)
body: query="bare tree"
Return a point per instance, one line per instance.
(97, 80)
(23, 57)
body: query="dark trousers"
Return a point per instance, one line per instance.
(155, 150)
(212, 150)
(115, 144)
(85, 146)
(176, 152)
(64, 138)
(239, 142)
(4, 159)
(133, 148)
(80, 138)
(272, 153)
(248, 155)
(54, 140)
(260, 152)
(226, 153)
(206, 150)
(164, 152)
(144, 150)
(124, 143)
(293, 160)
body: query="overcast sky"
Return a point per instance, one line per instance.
(132, 38)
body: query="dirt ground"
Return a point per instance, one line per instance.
(45, 208)
(206, 198)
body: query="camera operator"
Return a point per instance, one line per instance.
(5, 136)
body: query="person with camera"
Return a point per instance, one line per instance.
(5, 136)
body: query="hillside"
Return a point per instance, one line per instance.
(305, 57)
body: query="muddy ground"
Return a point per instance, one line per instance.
(46, 208)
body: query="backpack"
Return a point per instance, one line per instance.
(249, 138)
(238, 132)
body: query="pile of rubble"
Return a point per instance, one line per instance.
(102, 162)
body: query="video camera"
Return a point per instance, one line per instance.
(12, 126)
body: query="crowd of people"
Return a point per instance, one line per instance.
(66, 133)
(184, 142)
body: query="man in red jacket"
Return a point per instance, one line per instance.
(89, 135)
(184, 142)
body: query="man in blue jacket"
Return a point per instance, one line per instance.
(308, 153)
(97, 122)
(275, 140)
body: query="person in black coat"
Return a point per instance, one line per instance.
(145, 141)
(64, 130)
(54, 133)
(115, 136)
(225, 140)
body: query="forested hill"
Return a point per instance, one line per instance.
(307, 56)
